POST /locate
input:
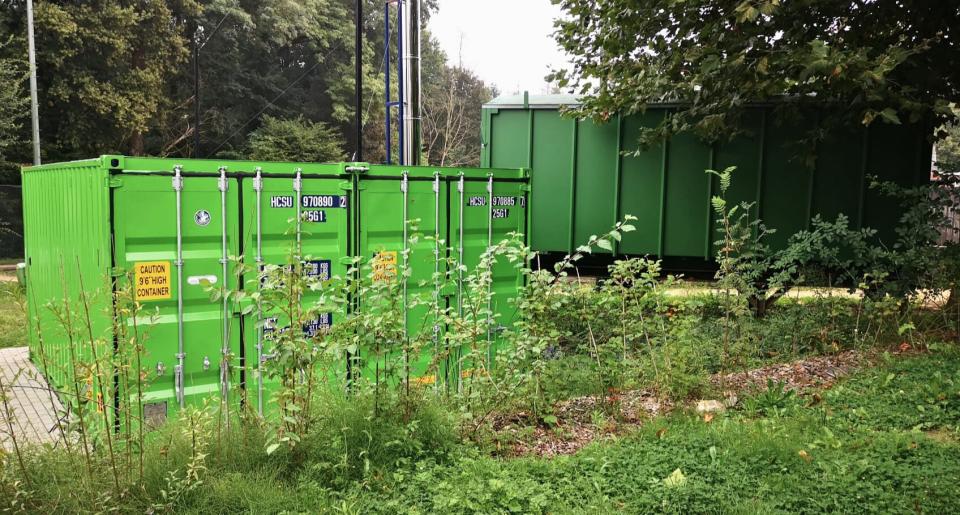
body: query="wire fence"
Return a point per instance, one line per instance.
(950, 234)
(11, 221)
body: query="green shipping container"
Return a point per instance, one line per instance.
(88, 224)
(582, 182)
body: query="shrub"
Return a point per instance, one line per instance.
(296, 139)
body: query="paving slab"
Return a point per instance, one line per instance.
(32, 408)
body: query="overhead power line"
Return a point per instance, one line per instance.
(333, 49)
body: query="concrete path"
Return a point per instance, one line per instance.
(28, 398)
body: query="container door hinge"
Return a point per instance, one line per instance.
(346, 185)
(114, 182)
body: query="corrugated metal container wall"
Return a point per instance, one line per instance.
(581, 183)
(66, 214)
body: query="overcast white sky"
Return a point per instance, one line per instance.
(506, 42)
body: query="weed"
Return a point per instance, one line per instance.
(379, 440)
(775, 400)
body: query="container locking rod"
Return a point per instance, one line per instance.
(178, 369)
(298, 188)
(258, 187)
(489, 249)
(404, 187)
(460, 188)
(436, 265)
(225, 344)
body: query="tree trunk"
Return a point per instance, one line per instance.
(139, 62)
(136, 144)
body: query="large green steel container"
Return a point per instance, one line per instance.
(582, 180)
(90, 223)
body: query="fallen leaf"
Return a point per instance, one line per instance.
(707, 417)
(660, 432)
(805, 456)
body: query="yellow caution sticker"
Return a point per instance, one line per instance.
(152, 280)
(428, 379)
(384, 265)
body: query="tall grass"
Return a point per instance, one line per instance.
(13, 316)
(331, 438)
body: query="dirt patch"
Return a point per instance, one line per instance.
(564, 439)
(801, 375)
(583, 420)
(942, 436)
(633, 406)
(579, 422)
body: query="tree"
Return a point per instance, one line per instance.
(895, 61)
(282, 58)
(451, 116)
(102, 70)
(13, 102)
(295, 139)
(948, 149)
(118, 76)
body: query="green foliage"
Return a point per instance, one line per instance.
(104, 70)
(13, 315)
(280, 58)
(948, 147)
(894, 397)
(859, 59)
(119, 78)
(684, 361)
(808, 460)
(392, 443)
(295, 139)
(14, 101)
(546, 298)
(915, 260)
(364, 437)
(773, 401)
(833, 253)
(181, 484)
(747, 265)
(838, 254)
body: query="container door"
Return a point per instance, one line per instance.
(483, 213)
(145, 233)
(271, 233)
(384, 205)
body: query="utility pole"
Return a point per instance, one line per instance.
(196, 92)
(34, 110)
(359, 78)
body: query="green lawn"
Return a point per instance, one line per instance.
(13, 321)
(884, 441)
